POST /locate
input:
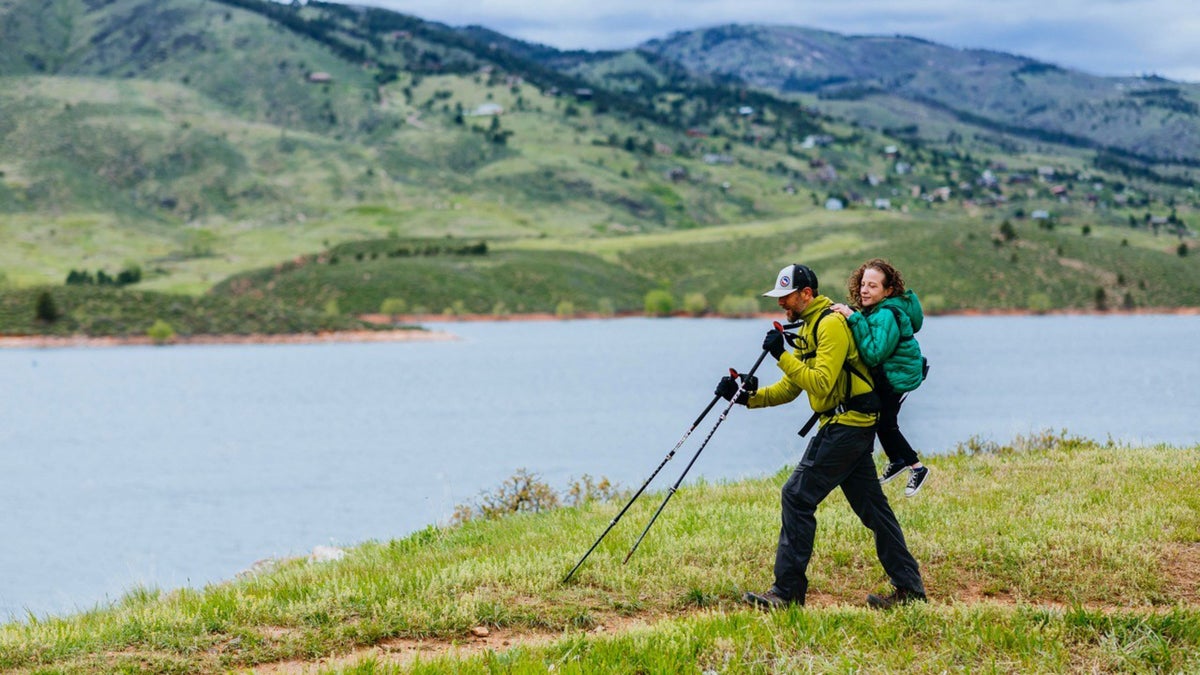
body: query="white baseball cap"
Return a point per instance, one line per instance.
(793, 278)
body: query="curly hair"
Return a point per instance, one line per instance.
(891, 279)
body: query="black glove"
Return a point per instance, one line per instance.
(774, 343)
(728, 386)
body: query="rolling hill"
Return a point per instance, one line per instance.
(205, 141)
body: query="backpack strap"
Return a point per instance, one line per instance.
(899, 324)
(869, 402)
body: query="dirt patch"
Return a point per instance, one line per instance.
(1181, 567)
(405, 651)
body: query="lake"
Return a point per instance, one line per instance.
(184, 465)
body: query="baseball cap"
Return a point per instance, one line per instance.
(793, 278)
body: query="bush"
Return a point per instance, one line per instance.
(605, 307)
(1039, 303)
(695, 304)
(564, 309)
(738, 305)
(393, 306)
(523, 492)
(161, 332)
(659, 303)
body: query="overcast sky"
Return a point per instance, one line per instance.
(1102, 37)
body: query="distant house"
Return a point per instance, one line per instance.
(1040, 214)
(320, 77)
(891, 151)
(745, 111)
(488, 109)
(883, 204)
(714, 158)
(584, 94)
(834, 204)
(816, 140)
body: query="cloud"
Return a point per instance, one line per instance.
(1103, 37)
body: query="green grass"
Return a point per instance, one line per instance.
(1091, 570)
(954, 266)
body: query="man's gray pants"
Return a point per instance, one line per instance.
(838, 456)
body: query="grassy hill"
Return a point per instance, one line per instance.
(1094, 571)
(1006, 265)
(200, 141)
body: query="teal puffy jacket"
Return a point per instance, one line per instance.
(878, 332)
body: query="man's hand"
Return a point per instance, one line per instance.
(728, 387)
(774, 343)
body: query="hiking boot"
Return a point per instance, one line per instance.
(891, 471)
(899, 596)
(916, 480)
(769, 600)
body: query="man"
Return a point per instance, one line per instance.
(825, 364)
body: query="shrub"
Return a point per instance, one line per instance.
(161, 332)
(393, 306)
(1039, 303)
(564, 309)
(523, 492)
(605, 307)
(695, 304)
(738, 305)
(659, 303)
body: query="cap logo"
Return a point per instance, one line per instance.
(785, 281)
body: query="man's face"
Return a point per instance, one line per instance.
(794, 303)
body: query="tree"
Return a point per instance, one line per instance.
(46, 310)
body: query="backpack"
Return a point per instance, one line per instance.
(866, 403)
(879, 373)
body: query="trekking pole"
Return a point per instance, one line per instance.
(643, 488)
(666, 459)
(725, 413)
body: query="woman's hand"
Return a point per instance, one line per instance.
(842, 309)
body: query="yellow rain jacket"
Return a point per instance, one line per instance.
(820, 372)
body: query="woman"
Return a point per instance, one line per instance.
(883, 331)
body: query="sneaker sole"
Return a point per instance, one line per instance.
(887, 479)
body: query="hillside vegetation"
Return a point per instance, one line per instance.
(1049, 554)
(219, 146)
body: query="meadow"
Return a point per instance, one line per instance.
(1047, 554)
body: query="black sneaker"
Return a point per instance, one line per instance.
(769, 600)
(916, 480)
(891, 471)
(899, 596)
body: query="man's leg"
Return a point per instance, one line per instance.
(831, 456)
(862, 490)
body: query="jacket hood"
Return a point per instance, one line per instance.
(910, 304)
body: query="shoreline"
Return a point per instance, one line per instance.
(421, 334)
(55, 341)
